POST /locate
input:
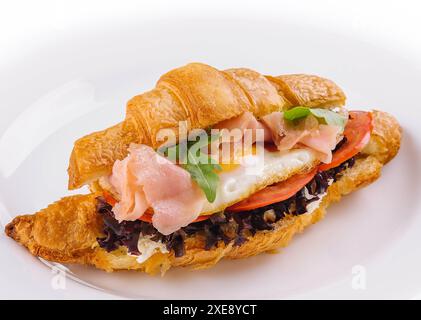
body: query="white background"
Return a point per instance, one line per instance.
(25, 24)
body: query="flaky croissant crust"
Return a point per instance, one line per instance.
(66, 231)
(199, 96)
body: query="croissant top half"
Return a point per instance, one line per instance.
(200, 96)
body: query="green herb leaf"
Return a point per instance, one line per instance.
(205, 177)
(296, 113)
(200, 165)
(170, 152)
(330, 117)
(325, 115)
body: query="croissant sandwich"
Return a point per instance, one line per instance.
(208, 165)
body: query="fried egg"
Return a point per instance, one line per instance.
(256, 171)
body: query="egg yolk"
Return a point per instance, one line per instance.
(234, 162)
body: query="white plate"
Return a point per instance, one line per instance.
(80, 82)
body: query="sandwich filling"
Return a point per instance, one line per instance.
(153, 202)
(143, 240)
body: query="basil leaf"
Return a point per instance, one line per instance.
(296, 113)
(330, 117)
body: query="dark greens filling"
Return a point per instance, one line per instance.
(223, 226)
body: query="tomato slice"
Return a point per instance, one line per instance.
(274, 193)
(109, 198)
(357, 133)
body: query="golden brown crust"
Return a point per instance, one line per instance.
(199, 96)
(308, 90)
(385, 138)
(92, 154)
(207, 95)
(260, 91)
(66, 231)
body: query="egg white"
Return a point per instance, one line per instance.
(255, 172)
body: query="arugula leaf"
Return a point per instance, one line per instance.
(194, 148)
(296, 113)
(329, 117)
(172, 152)
(205, 177)
(200, 165)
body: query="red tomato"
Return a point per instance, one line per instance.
(274, 193)
(109, 198)
(357, 133)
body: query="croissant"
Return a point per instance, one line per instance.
(201, 96)
(67, 230)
